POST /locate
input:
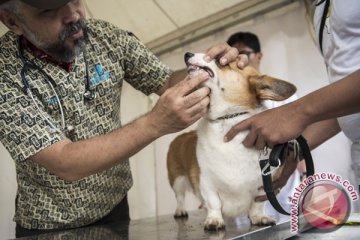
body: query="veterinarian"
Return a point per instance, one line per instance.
(61, 79)
(248, 43)
(331, 109)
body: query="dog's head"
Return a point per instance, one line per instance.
(237, 88)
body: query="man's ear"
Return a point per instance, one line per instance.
(11, 22)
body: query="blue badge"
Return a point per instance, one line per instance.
(52, 101)
(99, 75)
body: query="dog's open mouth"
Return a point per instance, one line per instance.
(195, 70)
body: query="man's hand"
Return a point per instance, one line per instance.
(181, 105)
(271, 127)
(225, 54)
(289, 167)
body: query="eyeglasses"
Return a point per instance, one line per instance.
(246, 52)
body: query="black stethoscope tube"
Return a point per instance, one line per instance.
(28, 65)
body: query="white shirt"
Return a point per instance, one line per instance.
(341, 50)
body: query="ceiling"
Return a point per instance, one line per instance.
(164, 25)
(151, 19)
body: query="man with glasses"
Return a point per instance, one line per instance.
(247, 43)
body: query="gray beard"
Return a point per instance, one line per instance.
(59, 50)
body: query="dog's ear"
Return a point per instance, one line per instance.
(269, 88)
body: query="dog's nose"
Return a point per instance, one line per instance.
(187, 56)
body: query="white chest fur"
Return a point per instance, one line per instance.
(228, 169)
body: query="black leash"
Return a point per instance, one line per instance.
(277, 157)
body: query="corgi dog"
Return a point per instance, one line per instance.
(226, 176)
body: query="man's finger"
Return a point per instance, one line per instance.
(196, 96)
(259, 143)
(241, 126)
(243, 61)
(190, 83)
(199, 110)
(229, 56)
(261, 198)
(223, 52)
(215, 51)
(279, 184)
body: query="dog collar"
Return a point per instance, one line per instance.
(228, 116)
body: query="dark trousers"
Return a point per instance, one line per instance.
(119, 213)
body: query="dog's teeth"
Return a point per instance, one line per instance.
(197, 72)
(194, 70)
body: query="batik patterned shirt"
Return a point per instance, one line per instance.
(44, 200)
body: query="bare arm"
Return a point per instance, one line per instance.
(182, 103)
(289, 121)
(176, 109)
(319, 132)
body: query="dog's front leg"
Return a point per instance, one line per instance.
(214, 220)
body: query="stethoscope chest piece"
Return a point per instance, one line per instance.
(69, 128)
(89, 95)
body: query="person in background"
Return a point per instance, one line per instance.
(248, 43)
(61, 79)
(325, 112)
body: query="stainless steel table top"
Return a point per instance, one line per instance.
(167, 228)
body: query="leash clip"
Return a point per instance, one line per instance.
(277, 155)
(265, 171)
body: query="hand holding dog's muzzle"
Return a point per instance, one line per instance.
(226, 54)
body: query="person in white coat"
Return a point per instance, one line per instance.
(331, 109)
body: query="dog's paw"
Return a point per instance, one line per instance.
(214, 224)
(262, 220)
(180, 213)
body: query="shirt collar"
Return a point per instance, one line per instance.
(40, 54)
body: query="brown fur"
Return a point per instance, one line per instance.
(181, 159)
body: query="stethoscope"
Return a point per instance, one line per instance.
(89, 95)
